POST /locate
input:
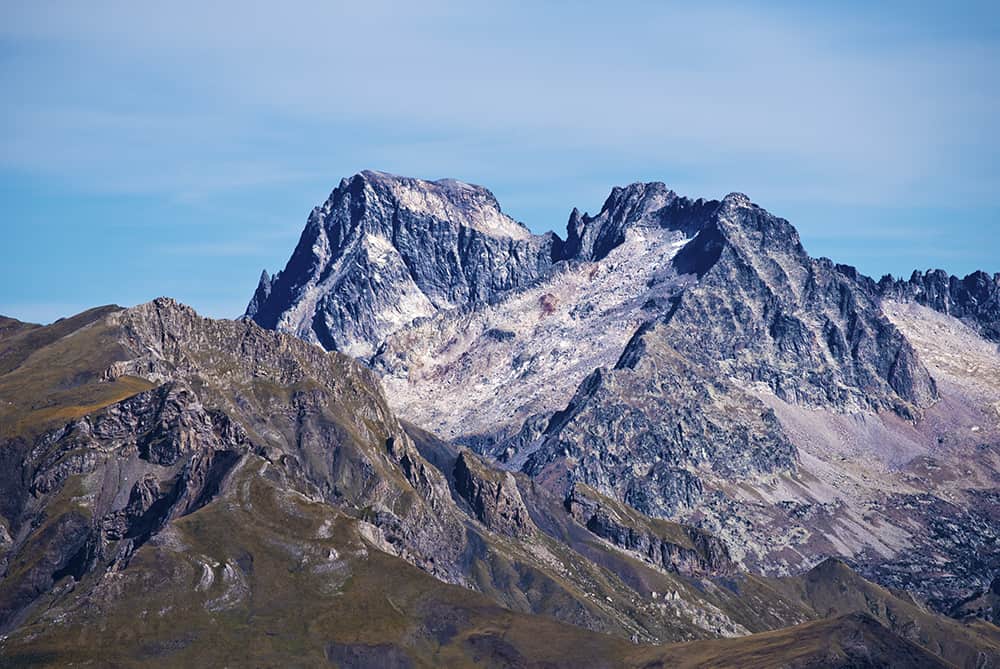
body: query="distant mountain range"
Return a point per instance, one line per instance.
(669, 438)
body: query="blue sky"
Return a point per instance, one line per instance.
(177, 150)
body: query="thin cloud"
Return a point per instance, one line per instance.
(139, 123)
(716, 88)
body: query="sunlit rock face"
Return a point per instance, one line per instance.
(384, 251)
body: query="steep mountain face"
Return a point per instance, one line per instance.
(688, 358)
(773, 315)
(762, 313)
(179, 490)
(383, 251)
(684, 413)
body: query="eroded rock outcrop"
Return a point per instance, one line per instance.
(667, 545)
(493, 496)
(974, 299)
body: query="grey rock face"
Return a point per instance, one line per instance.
(383, 251)
(974, 299)
(493, 496)
(762, 312)
(771, 314)
(677, 548)
(641, 205)
(641, 433)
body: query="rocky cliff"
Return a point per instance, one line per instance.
(383, 251)
(668, 545)
(493, 496)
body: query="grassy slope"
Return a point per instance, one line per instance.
(833, 589)
(290, 578)
(313, 589)
(292, 583)
(853, 641)
(50, 375)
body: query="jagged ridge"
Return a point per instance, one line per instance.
(974, 299)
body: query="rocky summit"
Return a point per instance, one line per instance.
(667, 438)
(383, 250)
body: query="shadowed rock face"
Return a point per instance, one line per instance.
(493, 496)
(385, 250)
(176, 453)
(668, 545)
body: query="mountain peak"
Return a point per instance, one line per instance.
(637, 199)
(737, 199)
(385, 250)
(638, 189)
(261, 294)
(649, 205)
(468, 205)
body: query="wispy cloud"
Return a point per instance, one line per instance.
(138, 123)
(719, 90)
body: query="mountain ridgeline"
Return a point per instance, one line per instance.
(384, 251)
(974, 299)
(668, 438)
